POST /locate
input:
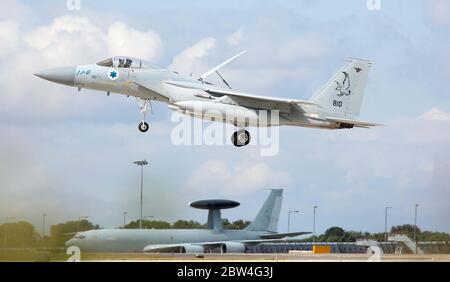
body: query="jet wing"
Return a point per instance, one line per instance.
(247, 100)
(356, 123)
(142, 90)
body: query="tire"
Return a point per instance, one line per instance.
(143, 127)
(241, 138)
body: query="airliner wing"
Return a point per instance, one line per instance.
(284, 235)
(202, 246)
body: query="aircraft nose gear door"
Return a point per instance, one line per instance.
(144, 105)
(241, 138)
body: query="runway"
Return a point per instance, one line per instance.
(61, 256)
(263, 258)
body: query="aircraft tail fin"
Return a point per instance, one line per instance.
(269, 214)
(342, 96)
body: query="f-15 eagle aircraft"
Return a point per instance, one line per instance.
(335, 106)
(263, 229)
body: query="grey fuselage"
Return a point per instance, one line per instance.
(135, 240)
(149, 83)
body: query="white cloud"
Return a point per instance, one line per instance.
(189, 61)
(62, 28)
(304, 48)
(67, 40)
(436, 114)
(236, 38)
(261, 79)
(438, 11)
(14, 10)
(240, 180)
(9, 36)
(79, 34)
(132, 42)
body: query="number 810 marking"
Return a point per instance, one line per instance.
(337, 103)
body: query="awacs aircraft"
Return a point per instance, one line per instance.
(262, 230)
(335, 106)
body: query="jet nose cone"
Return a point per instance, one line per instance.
(64, 75)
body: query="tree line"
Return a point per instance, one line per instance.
(23, 234)
(184, 224)
(338, 234)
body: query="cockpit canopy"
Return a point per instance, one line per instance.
(127, 63)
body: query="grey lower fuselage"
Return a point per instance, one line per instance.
(150, 84)
(128, 240)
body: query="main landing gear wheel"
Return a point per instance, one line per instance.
(144, 127)
(241, 138)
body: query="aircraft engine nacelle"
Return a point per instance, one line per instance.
(233, 248)
(192, 249)
(218, 112)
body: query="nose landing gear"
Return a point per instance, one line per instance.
(144, 126)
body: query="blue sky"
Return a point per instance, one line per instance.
(70, 154)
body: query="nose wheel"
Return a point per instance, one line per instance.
(241, 138)
(144, 105)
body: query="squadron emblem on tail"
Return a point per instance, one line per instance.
(344, 86)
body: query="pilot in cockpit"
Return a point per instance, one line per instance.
(125, 63)
(128, 63)
(121, 63)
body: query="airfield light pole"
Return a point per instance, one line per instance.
(6, 230)
(124, 219)
(43, 225)
(385, 223)
(141, 164)
(415, 226)
(314, 221)
(78, 222)
(289, 218)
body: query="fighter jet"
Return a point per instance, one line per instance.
(263, 229)
(335, 106)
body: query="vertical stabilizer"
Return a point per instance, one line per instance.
(343, 95)
(269, 214)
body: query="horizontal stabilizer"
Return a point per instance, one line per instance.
(357, 123)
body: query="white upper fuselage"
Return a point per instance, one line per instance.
(128, 240)
(335, 106)
(151, 84)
